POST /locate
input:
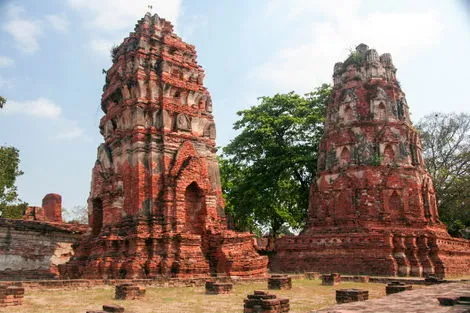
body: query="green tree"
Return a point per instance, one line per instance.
(2, 101)
(10, 205)
(267, 169)
(446, 150)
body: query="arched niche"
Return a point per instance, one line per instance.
(345, 157)
(389, 154)
(396, 204)
(194, 203)
(97, 216)
(380, 113)
(348, 114)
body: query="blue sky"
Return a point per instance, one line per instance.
(52, 53)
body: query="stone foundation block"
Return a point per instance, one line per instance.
(263, 302)
(217, 288)
(312, 275)
(351, 295)
(395, 287)
(332, 279)
(129, 292)
(111, 308)
(281, 282)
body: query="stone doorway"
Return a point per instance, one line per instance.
(194, 209)
(97, 221)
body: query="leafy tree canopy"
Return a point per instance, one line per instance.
(446, 150)
(268, 168)
(10, 204)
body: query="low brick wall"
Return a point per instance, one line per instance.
(11, 296)
(91, 283)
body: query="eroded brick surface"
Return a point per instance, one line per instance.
(373, 206)
(34, 249)
(155, 206)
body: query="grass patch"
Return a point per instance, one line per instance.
(304, 296)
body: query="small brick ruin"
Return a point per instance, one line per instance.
(372, 208)
(455, 300)
(217, 288)
(263, 302)
(35, 246)
(155, 206)
(281, 282)
(51, 210)
(11, 296)
(351, 295)
(129, 291)
(332, 279)
(395, 287)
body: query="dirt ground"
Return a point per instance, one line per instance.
(305, 295)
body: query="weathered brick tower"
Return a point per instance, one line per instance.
(373, 207)
(155, 206)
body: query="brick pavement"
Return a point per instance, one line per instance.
(423, 300)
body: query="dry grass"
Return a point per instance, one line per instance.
(304, 296)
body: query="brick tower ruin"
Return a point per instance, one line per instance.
(373, 206)
(155, 206)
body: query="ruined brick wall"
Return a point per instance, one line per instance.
(33, 250)
(372, 208)
(155, 205)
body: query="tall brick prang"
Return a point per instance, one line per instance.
(155, 206)
(373, 206)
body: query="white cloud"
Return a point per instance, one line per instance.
(6, 83)
(114, 19)
(111, 15)
(192, 24)
(58, 22)
(69, 130)
(46, 109)
(101, 46)
(25, 32)
(6, 61)
(305, 65)
(41, 107)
